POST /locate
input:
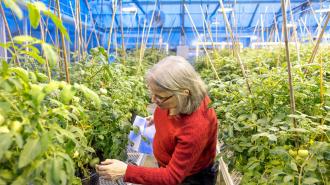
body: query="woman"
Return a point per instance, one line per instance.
(186, 130)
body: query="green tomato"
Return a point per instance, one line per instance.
(299, 159)
(303, 153)
(293, 152)
(275, 162)
(6, 174)
(16, 126)
(33, 77)
(103, 91)
(94, 162)
(8, 155)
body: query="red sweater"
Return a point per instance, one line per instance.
(182, 146)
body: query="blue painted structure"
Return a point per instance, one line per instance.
(174, 26)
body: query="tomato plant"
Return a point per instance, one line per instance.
(42, 140)
(260, 140)
(122, 94)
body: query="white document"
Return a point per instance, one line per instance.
(148, 132)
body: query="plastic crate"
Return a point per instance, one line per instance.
(135, 158)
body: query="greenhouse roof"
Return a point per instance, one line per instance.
(184, 22)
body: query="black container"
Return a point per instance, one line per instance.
(93, 179)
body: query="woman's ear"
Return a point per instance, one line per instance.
(186, 92)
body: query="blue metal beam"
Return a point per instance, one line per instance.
(300, 7)
(277, 15)
(199, 29)
(304, 8)
(229, 19)
(215, 10)
(165, 2)
(253, 15)
(137, 3)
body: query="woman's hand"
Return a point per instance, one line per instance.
(111, 169)
(150, 120)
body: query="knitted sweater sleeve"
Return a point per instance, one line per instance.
(191, 141)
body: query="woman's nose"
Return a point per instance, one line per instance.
(153, 99)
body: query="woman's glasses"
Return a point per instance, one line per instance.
(161, 99)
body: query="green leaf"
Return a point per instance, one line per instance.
(66, 133)
(14, 7)
(66, 94)
(40, 6)
(55, 169)
(293, 165)
(52, 86)
(271, 137)
(19, 140)
(296, 116)
(50, 54)
(37, 94)
(24, 38)
(31, 150)
(41, 77)
(22, 73)
(4, 68)
(4, 129)
(58, 23)
(89, 94)
(5, 142)
(288, 178)
(2, 182)
(32, 77)
(35, 56)
(34, 15)
(6, 45)
(302, 130)
(19, 181)
(44, 141)
(311, 165)
(310, 180)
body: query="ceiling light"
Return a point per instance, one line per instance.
(129, 9)
(226, 9)
(322, 10)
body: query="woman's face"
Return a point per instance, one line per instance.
(164, 99)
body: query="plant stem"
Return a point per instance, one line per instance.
(15, 20)
(199, 39)
(43, 39)
(122, 32)
(235, 45)
(9, 33)
(295, 37)
(114, 9)
(144, 43)
(13, 105)
(302, 169)
(67, 75)
(319, 39)
(92, 22)
(57, 42)
(292, 100)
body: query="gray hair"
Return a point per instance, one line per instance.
(174, 74)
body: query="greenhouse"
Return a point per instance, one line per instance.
(165, 92)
